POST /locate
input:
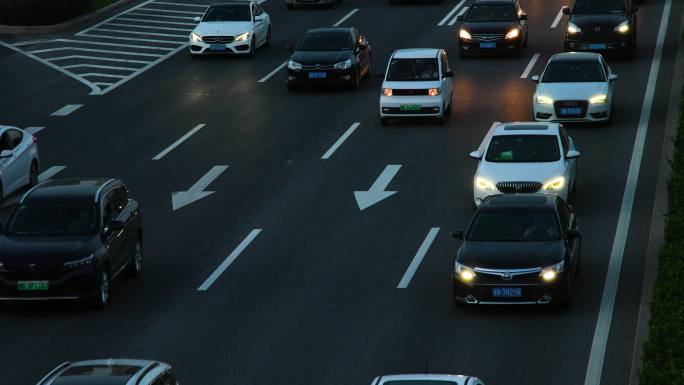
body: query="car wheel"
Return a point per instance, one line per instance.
(136, 262)
(252, 48)
(355, 81)
(368, 72)
(33, 174)
(268, 37)
(101, 298)
(447, 110)
(440, 119)
(384, 121)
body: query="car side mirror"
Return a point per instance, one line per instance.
(572, 154)
(460, 18)
(448, 74)
(574, 234)
(535, 78)
(475, 155)
(289, 48)
(458, 234)
(523, 16)
(197, 19)
(258, 19)
(566, 10)
(6, 154)
(613, 77)
(115, 225)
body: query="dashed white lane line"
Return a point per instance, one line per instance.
(341, 140)
(179, 141)
(229, 260)
(345, 17)
(610, 286)
(275, 71)
(66, 110)
(451, 13)
(418, 258)
(529, 67)
(557, 19)
(33, 130)
(50, 172)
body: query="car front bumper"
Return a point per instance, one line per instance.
(303, 77)
(599, 42)
(480, 194)
(62, 285)
(481, 291)
(493, 47)
(411, 106)
(588, 112)
(235, 48)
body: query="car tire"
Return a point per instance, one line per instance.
(252, 48)
(33, 174)
(440, 119)
(370, 69)
(354, 84)
(384, 121)
(103, 292)
(268, 37)
(447, 110)
(136, 263)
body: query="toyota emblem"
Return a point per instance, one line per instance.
(507, 276)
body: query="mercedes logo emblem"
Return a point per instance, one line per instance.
(507, 276)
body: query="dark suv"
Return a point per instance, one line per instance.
(601, 25)
(68, 238)
(518, 249)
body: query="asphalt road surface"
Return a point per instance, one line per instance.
(315, 290)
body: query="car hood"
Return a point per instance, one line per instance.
(571, 91)
(219, 28)
(498, 27)
(510, 255)
(606, 20)
(323, 58)
(412, 85)
(43, 251)
(519, 172)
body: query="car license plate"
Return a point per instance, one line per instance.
(409, 107)
(217, 47)
(597, 46)
(487, 45)
(506, 292)
(571, 111)
(317, 75)
(33, 285)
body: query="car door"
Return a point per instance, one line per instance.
(567, 144)
(607, 72)
(260, 25)
(362, 52)
(10, 167)
(21, 145)
(568, 222)
(113, 239)
(446, 81)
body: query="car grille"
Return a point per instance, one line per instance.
(598, 34)
(510, 276)
(218, 39)
(487, 36)
(317, 67)
(518, 187)
(560, 104)
(399, 92)
(24, 272)
(421, 111)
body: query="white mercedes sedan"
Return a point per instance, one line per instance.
(575, 87)
(426, 379)
(18, 160)
(238, 27)
(525, 157)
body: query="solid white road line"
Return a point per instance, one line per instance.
(150, 27)
(529, 67)
(451, 13)
(341, 140)
(87, 57)
(181, 4)
(82, 32)
(173, 42)
(557, 19)
(138, 32)
(170, 11)
(453, 21)
(130, 69)
(50, 172)
(347, 16)
(33, 130)
(418, 258)
(96, 50)
(179, 141)
(155, 21)
(103, 75)
(600, 341)
(161, 16)
(275, 71)
(229, 260)
(66, 110)
(101, 84)
(148, 47)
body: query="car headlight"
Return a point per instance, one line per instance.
(598, 99)
(80, 262)
(386, 92)
(513, 34)
(242, 36)
(434, 91)
(343, 65)
(484, 184)
(622, 27)
(195, 37)
(465, 35)
(293, 65)
(464, 273)
(554, 184)
(541, 99)
(573, 29)
(550, 273)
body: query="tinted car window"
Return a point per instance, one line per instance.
(573, 72)
(564, 214)
(52, 219)
(325, 42)
(598, 6)
(97, 375)
(413, 69)
(523, 148)
(118, 198)
(228, 13)
(15, 137)
(514, 226)
(492, 12)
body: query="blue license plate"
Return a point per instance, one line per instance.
(571, 111)
(217, 47)
(506, 292)
(487, 45)
(597, 46)
(317, 75)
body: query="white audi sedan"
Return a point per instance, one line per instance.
(575, 87)
(417, 84)
(525, 157)
(426, 379)
(238, 27)
(18, 160)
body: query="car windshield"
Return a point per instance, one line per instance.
(52, 219)
(588, 7)
(491, 12)
(574, 72)
(325, 42)
(418, 382)
(523, 148)
(413, 70)
(515, 225)
(97, 374)
(234, 12)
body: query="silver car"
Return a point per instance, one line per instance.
(111, 372)
(426, 379)
(18, 160)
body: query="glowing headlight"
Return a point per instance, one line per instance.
(434, 91)
(484, 184)
(387, 92)
(512, 34)
(293, 65)
(597, 99)
(465, 35)
(550, 273)
(80, 262)
(343, 65)
(541, 99)
(554, 184)
(195, 37)
(465, 273)
(622, 27)
(242, 36)
(573, 29)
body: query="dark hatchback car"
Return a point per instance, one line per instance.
(518, 249)
(329, 56)
(493, 26)
(68, 239)
(601, 25)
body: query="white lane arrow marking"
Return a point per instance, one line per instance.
(196, 192)
(377, 192)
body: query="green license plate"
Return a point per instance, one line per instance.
(33, 285)
(409, 107)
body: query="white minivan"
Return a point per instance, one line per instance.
(417, 84)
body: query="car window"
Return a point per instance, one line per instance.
(119, 199)
(228, 12)
(15, 137)
(5, 141)
(325, 42)
(164, 379)
(413, 69)
(514, 226)
(573, 71)
(598, 6)
(52, 219)
(523, 148)
(563, 213)
(491, 12)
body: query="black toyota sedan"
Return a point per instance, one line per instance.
(518, 249)
(329, 56)
(68, 239)
(493, 26)
(601, 25)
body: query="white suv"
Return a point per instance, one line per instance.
(417, 84)
(525, 157)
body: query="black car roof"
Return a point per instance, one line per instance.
(519, 201)
(67, 190)
(330, 30)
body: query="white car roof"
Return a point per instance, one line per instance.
(576, 55)
(456, 379)
(416, 53)
(526, 128)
